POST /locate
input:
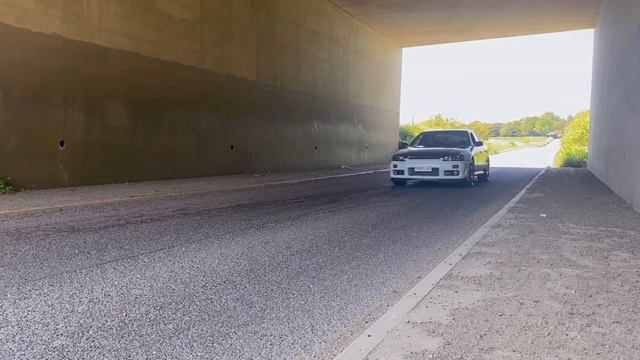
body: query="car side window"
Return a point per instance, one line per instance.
(474, 138)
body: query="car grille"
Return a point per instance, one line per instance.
(433, 172)
(424, 156)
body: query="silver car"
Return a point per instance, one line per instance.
(442, 155)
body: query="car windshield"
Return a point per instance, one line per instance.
(442, 139)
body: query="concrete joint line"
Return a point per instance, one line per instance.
(373, 336)
(180, 193)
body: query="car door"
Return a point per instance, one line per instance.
(480, 152)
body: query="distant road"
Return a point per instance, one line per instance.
(538, 157)
(276, 272)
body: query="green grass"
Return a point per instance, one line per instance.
(6, 187)
(499, 145)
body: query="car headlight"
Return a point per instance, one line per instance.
(399, 157)
(457, 157)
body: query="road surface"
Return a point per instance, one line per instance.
(278, 272)
(536, 157)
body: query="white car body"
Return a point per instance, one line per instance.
(429, 169)
(441, 163)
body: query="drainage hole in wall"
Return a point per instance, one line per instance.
(231, 147)
(316, 147)
(61, 144)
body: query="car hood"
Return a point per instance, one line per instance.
(433, 153)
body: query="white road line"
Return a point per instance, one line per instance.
(179, 193)
(373, 336)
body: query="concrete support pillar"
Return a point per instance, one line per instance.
(615, 130)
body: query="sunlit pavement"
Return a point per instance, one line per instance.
(539, 157)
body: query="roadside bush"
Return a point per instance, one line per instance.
(410, 131)
(575, 143)
(406, 133)
(6, 187)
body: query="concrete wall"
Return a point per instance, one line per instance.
(141, 90)
(427, 22)
(615, 130)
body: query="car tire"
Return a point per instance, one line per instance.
(399, 182)
(472, 179)
(486, 175)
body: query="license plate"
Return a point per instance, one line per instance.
(423, 168)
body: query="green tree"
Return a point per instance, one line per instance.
(406, 135)
(511, 129)
(548, 122)
(483, 130)
(574, 149)
(529, 126)
(495, 130)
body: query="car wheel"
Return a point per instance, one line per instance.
(487, 173)
(472, 178)
(399, 182)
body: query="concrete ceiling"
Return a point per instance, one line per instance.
(425, 22)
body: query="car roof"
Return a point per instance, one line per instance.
(450, 130)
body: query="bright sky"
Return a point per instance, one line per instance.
(498, 80)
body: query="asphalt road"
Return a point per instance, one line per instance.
(536, 157)
(278, 272)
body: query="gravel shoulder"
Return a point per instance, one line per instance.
(557, 278)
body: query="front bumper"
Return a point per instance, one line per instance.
(436, 169)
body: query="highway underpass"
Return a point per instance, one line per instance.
(104, 92)
(113, 92)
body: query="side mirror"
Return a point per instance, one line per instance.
(402, 145)
(479, 143)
